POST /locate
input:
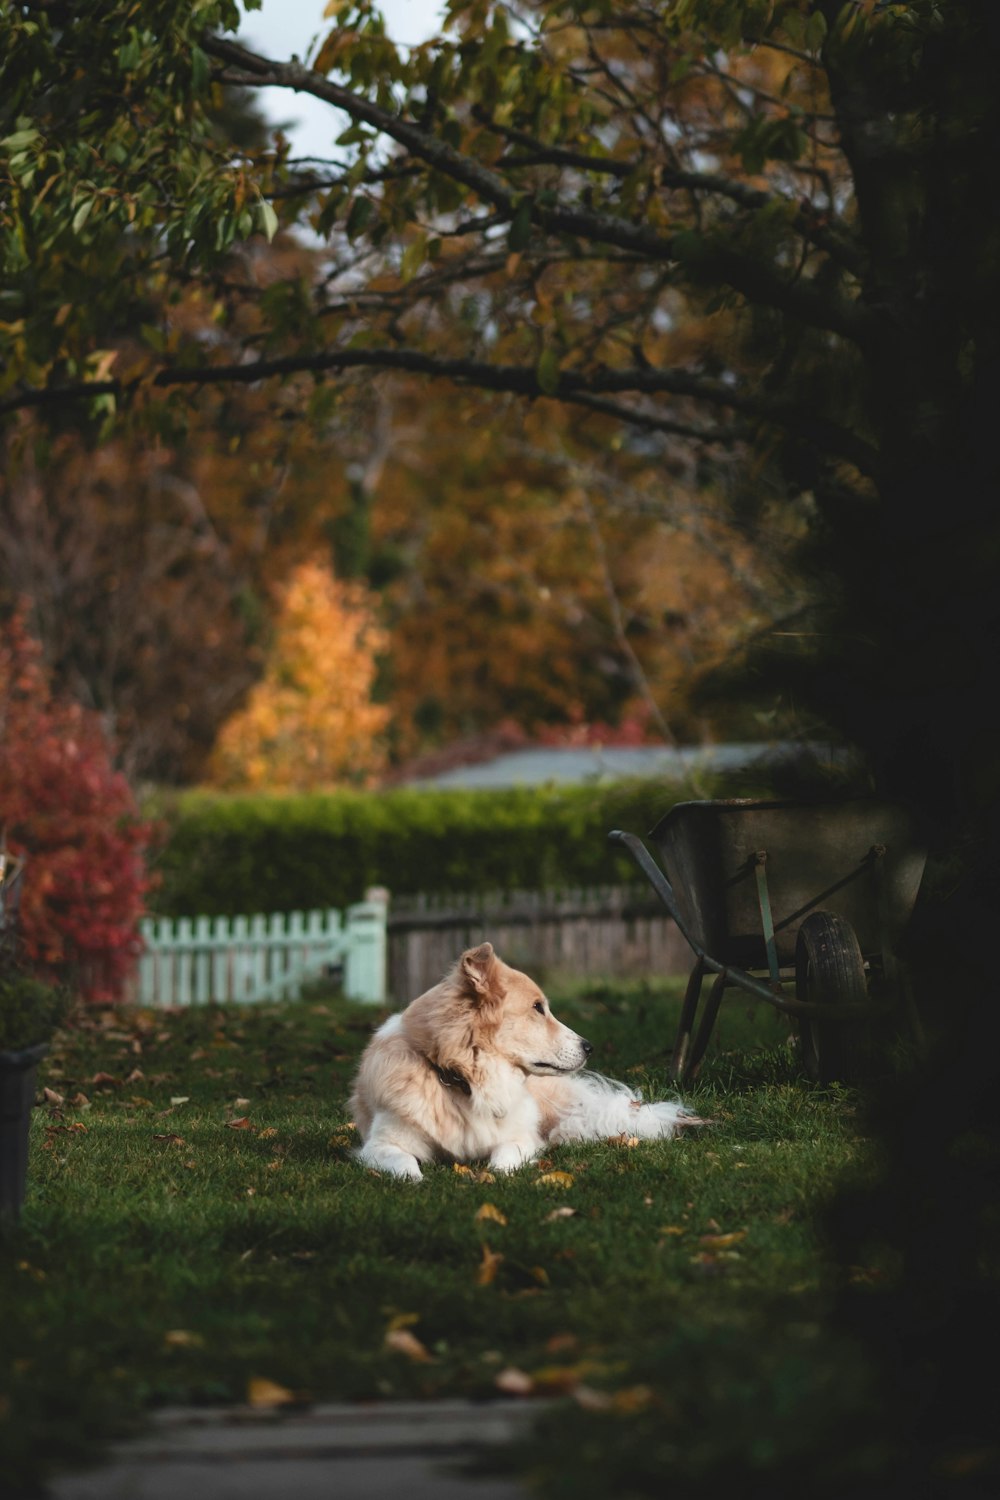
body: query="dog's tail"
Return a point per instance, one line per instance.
(596, 1108)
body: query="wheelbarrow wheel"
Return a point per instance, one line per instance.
(829, 970)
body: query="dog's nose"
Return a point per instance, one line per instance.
(588, 1047)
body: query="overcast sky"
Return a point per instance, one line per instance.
(282, 27)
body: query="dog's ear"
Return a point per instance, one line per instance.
(479, 971)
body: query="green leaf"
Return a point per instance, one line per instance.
(20, 139)
(413, 258)
(82, 214)
(268, 218)
(199, 70)
(361, 212)
(547, 372)
(520, 225)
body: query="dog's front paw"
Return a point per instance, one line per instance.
(392, 1160)
(509, 1158)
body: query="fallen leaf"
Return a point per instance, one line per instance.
(269, 1132)
(477, 1175)
(514, 1382)
(488, 1266)
(180, 1099)
(711, 1223)
(80, 1101)
(339, 1140)
(672, 1229)
(559, 1213)
(591, 1400)
(490, 1211)
(633, 1398)
(624, 1139)
(136, 1076)
(241, 1103)
(51, 1097)
(402, 1341)
(243, 1123)
(105, 1081)
(555, 1179)
(183, 1338)
(273, 1165)
(264, 1393)
(402, 1320)
(564, 1377)
(722, 1241)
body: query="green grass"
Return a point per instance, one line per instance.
(167, 1253)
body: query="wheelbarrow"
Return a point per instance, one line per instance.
(783, 899)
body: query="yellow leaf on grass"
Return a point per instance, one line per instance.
(480, 1175)
(403, 1320)
(243, 1123)
(589, 1399)
(632, 1398)
(722, 1241)
(488, 1266)
(183, 1338)
(490, 1211)
(672, 1229)
(555, 1179)
(565, 1212)
(565, 1377)
(268, 1133)
(402, 1341)
(262, 1393)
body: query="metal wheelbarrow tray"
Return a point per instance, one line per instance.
(816, 894)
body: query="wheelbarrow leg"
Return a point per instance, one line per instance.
(707, 1023)
(689, 1009)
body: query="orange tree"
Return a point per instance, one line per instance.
(310, 721)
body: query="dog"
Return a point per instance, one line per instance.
(479, 1067)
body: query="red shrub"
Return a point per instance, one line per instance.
(64, 806)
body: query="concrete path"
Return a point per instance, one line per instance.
(400, 1450)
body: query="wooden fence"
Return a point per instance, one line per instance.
(192, 960)
(611, 931)
(390, 952)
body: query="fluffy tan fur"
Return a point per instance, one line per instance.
(478, 1066)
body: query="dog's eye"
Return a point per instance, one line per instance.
(540, 1007)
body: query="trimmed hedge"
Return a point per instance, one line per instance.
(224, 855)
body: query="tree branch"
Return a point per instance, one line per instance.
(765, 284)
(520, 380)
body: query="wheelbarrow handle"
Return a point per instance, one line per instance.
(661, 885)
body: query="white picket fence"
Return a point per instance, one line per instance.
(195, 960)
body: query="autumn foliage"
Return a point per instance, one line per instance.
(310, 721)
(74, 817)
